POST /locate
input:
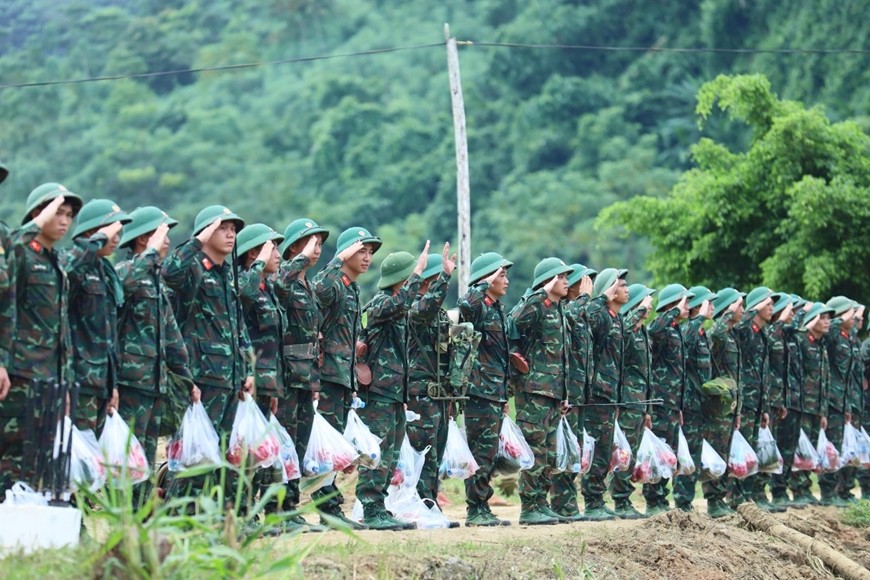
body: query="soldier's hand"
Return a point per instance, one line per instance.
(492, 277)
(737, 422)
(195, 394)
(765, 420)
(273, 405)
(506, 409)
(706, 310)
(349, 251)
(158, 238)
(683, 306)
(647, 421)
(266, 252)
(824, 423)
(115, 400)
(315, 396)
(566, 406)
(646, 303)
(782, 413)
(421, 261)
(448, 262)
(48, 212)
(5, 383)
(848, 417)
(610, 293)
(111, 230)
(586, 285)
(310, 246)
(548, 287)
(734, 306)
(681, 418)
(205, 235)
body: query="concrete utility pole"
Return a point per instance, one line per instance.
(463, 190)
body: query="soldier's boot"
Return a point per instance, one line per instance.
(625, 511)
(564, 514)
(685, 507)
(480, 517)
(716, 508)
(805, 498)
(534, 516)
(381, 520)
(545, 509)
(403, 525)
(499, 521)
(781, 501)
(764, 504)
(596, 511)
(332, 517)
(656, 509)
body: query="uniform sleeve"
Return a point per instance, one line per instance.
(598, 318)
(425, 309)
(7, 299)
(250, 280)
(530, 312)
(472, 307)
(663, 322)
(82, 253)
(132, 272)
(177, 357)
(326, 283)
(635, 316)
(182, 269)
(288, 272)
(396, 305)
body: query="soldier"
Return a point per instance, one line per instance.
(856, 395)
(563, 496)
(303, 241)
(7, 304)
(699, 370)
(609, 293)
(636, 387)
(338, 295)
(41, 349)
(95, 295)
(488, 391)
(153, 362)
(669, 380)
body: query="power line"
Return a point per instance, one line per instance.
(588, 47)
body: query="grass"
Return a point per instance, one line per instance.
(858, 515)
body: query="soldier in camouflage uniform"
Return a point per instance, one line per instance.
(41, 349)
(338, 295)
(699, 370)
(636, 387)
(864, 474)
(488, 391)
(95, 295)
(386, 339)
(7, 305)
(669, 380)
(609, 293)
(856, 395)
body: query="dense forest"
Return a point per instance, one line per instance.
(555, 135)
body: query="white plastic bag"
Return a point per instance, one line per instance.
(288, 460)
(406, 506)
(864, 447)
(196, 443)
(568, 451)
(588, 453)
(655, 459)
(458, 462)
(251, 438)
(742, 460)
(410, 465)
(712, 465)
(620, 457)
(122, 451)
(22, 494)
(86, 470)
(686, 465)
(769, 458)
(805, 456)
(514, 454)
(328, 451)
(829, 457)
(364, 441)
(850, 453)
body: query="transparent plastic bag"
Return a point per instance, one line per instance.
(805, 456)
(568, 452)
(328, 451)
(620, 457)
(829, 457)
(288, 460)
(514, 454)
(458, 462)
(251, 438)
(406, 506)
(655, 459)
(86, 468)
(850, 453)
(22, 494)
(364, 441)
(196, 443)
(409, 468)
(769, 458)
(742, 460)
(122, 451)
(864, 447)
(587, 453)
(713, 466)
(685, 463)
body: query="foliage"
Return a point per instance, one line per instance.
(858, 514)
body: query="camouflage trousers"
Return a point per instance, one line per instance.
(862, 473)
(753, 486)
(482, 425)
(143, 411)
(537, 416)
(836, 484)
(334, 403)
(90, 412)
(631, 423)
(718, 434)
(693, 428)
(665, 424)
(387, 421)
(14, 445)
(800, 481)
(563, 493)
(786, 432)
(599, 424)
(429, 430)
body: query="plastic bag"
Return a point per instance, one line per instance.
(864, 447)
(686, 465)
(655, 459)
(742, 460)
(327, 451)
(829, 457)
(514, 454)
(22, 494)
(288, 460)
(587, 453)
(251, 437)
(568, 452)
(712, 465)
(850, 453)
(620, 458)
(364, 441)
(86, 470)
(196, 443)
(406, 506)
(410, 465)
(458, 462)
(121, 450)
(769, 458)
(805, 456)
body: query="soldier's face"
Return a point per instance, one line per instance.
(110, 246)
(58, 226)
(359, 263)
(499, 286)
(848, 319)
(824, 324)
(560, 288)
(273, 262)
(765, 310)
(859, 318)
(224, 239)
(621, 296)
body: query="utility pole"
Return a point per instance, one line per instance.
(463, 190)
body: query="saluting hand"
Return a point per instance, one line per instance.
(646, 303)
(266, 252)
(205, 235)
(48, 212)
(310, 245)
(111, 230)
(448, 264)
(548, 287)
(158, 238)
(421, 261)
(610, 293)
(586, 286)
(5, 383)
(492, 277)
(349, 251)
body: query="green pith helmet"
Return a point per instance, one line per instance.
(255, 235)
(701, 293)
(725, 298)
(47, 192)
(780, 301)
(98, 213)
(486, 264)
(396, 267)
(797, 301)
(547, 268)
(350, 235)
(670, 294)
(4, 173)
(817, 310)
(216, 212)
(757, 296)
(434, 265)
(298, 229)
(144, 220)
(579, 271)
(636, 294)
(839, 305)
(605, 279)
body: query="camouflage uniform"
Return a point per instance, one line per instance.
(840, 355)
(864, 474)
(856, 403)
(785, 393)
(816, 383)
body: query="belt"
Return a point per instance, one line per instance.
(307, 350)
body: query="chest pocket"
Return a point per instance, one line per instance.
(94, 286)
(145, 292)
(267, 315)
(41, 287)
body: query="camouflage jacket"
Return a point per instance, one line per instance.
(839, 344)
(668, 359)
(428, 331)
(490, 373)
(208, 312)
(699, 363)
(724, 349)
(754, 376)
(544, 327)
(815, 374)
(777, 363)
(580, 353)
(338, 297)
(856, 377)
(301, 342)
(608, 343)
(793, 372)
(150, 343)
(386, 335)
(7, 297)
(636, 378)
(264, 318)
